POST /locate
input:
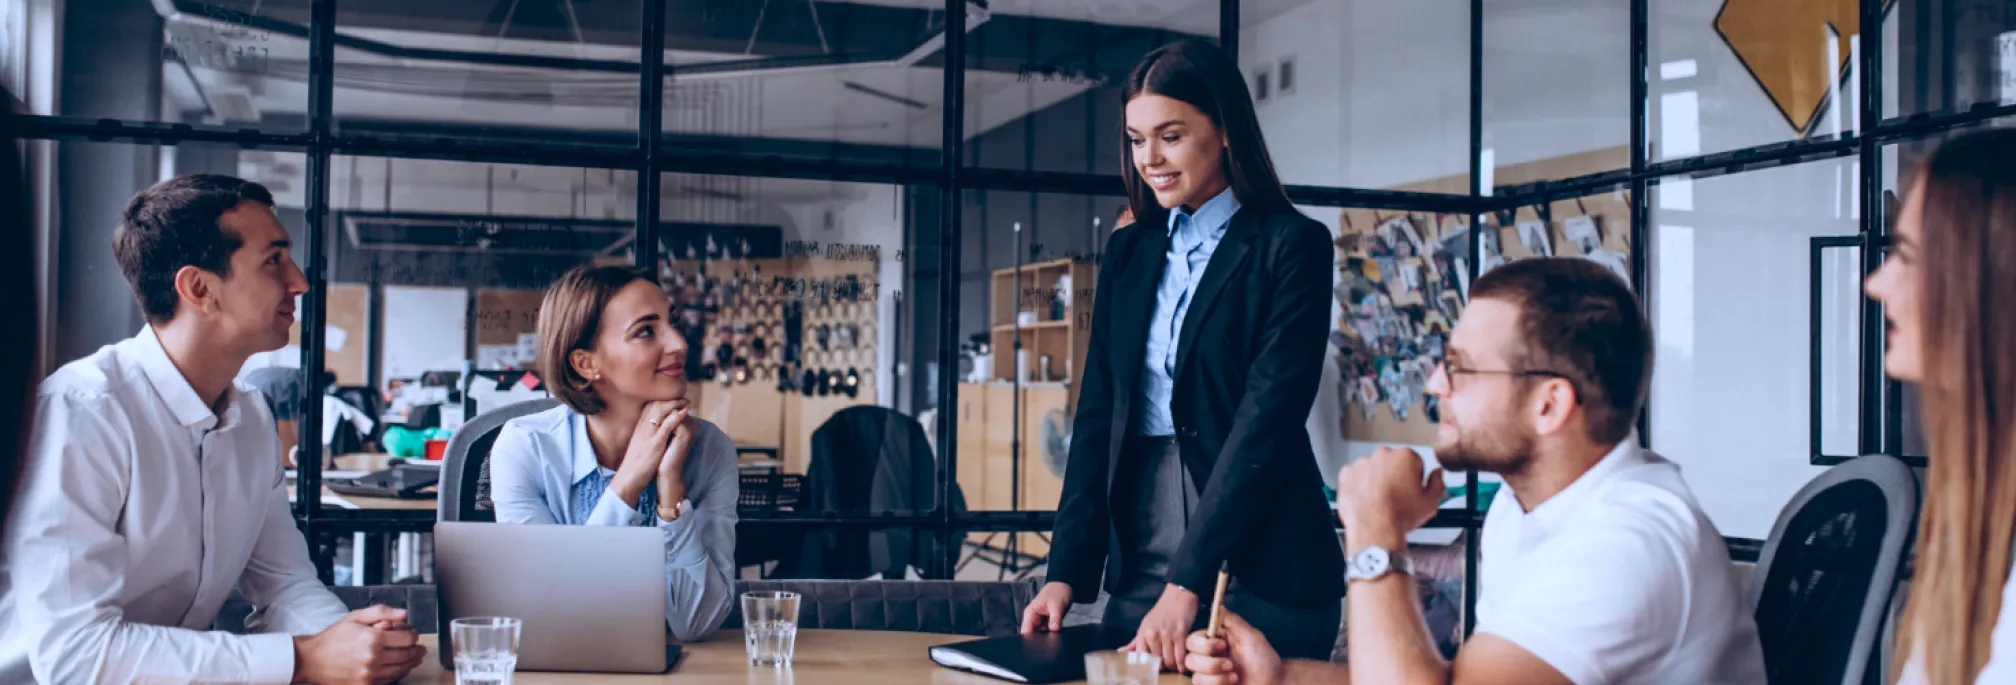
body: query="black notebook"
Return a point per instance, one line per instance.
(1040, 658)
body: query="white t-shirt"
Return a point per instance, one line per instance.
(1619, 579)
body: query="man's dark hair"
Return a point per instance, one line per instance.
(175, 224)
(1578, 320)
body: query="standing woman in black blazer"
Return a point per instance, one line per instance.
(1189, 450)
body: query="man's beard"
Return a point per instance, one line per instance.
(1502, 446)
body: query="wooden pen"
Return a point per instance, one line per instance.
(1218, 601)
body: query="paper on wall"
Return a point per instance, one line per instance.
(1583, 233)
(490, 357)
(1537, 238)
(528, 346)
(333, 338)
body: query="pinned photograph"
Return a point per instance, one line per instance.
(1613, 260)
(1368, 395)
(1489, 252)
(1451, 242)
(1583, 233)
(1399, 397)
(1491, 261)
(1537, 239)
(1401, 236)
(1462, 278)
(1410, 272)
(1451, 305)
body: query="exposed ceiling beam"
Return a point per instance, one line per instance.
(787, 36)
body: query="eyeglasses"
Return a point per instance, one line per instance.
(1452, 371)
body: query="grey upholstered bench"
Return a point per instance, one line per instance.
(927, 606)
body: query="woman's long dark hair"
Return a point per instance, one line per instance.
(1202, 75)
(1967, 253)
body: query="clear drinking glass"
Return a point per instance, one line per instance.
(770, 627)
(486, 649)
(1121, 668)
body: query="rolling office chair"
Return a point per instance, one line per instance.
(465, 468)
(1823, 584)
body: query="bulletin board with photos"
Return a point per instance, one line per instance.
(1402, 285)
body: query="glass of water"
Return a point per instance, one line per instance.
(1121, 668)
(770, 627)
(486, 649)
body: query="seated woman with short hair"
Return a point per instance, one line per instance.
(623, 450)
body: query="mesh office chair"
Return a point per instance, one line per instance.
(1824, 581)
(465, 470)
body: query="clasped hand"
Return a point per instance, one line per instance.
(657, 451)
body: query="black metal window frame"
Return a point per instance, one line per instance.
(1878, 405)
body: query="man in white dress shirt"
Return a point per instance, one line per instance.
(154, 486)
(1598, 567)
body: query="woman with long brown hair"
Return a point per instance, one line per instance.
(1188, 451)
(1953, 254)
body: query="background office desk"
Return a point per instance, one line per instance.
(331, 499)
(824, 657)
(368, 567)
(368, 563)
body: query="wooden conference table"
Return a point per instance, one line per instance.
(823, 657)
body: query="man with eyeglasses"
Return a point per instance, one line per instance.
(1598, 565)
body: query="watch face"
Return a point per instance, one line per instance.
(1372, 562)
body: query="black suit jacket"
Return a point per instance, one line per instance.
(1248, 360)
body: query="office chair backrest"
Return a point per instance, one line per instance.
(867, 459)
(465, 471)
(1823, 583)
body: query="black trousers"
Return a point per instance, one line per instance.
(1154, 497)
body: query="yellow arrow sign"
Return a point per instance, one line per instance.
(1784, 44)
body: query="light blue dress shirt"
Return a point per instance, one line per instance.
(1192, 239)
(543, 471)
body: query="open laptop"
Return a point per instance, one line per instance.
(591, 598)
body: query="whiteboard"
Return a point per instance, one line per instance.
(425, 330)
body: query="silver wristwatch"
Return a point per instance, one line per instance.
(1375, 561)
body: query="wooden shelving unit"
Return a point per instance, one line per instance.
(1054, 299)
(1057, 296)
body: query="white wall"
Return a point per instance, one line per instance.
(1353, 118)
(1381, 101)
(1730, 279)
(424, 330)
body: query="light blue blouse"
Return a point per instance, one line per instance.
(543, 471)
(1193, 237)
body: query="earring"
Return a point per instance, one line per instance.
(598, 376)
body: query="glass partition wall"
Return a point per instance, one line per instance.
(894, 209)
